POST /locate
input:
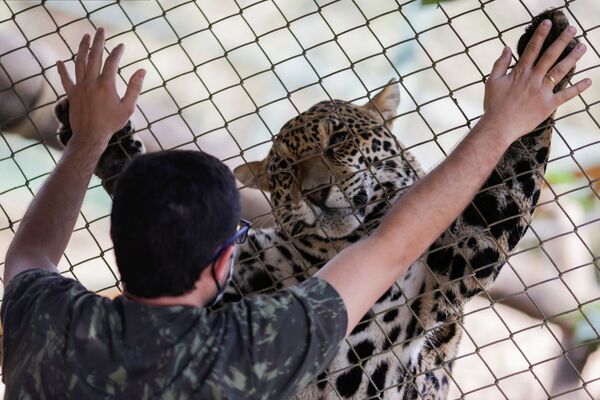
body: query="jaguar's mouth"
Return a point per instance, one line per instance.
(327, 213)
(331, 222)
(297, 228)
(339, 222)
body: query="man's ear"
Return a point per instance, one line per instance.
(223, 263)
(385, 103)
(253, 174)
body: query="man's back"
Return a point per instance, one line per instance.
(67, 342)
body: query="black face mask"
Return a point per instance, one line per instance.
(221, 289)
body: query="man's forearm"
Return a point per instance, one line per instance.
(48, 223)
(96, 112)
(425, 211)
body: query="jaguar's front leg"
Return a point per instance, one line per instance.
(467, 258)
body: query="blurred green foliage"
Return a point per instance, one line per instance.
(587, 199)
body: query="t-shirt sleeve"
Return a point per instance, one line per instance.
(28, 296)
(286, 339)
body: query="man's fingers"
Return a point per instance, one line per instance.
(561, 69)
(95, 60)
(567, 94)
(81, 58)
(65, 79)
(535, 44)
(134, 88)
(550, 56)
(109, 72)
(501, 65)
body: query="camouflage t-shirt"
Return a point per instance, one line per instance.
(63, 341)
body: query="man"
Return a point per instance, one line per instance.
(174, 227)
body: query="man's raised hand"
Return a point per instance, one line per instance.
(96, 109)
(518, 101)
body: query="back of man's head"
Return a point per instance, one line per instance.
(170, 212)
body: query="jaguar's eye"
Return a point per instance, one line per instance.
(337, 138)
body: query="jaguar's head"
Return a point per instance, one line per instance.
(333, 166)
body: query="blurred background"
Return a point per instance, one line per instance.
(224, 76)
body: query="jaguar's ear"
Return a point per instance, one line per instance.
(385, 103)
(253, 174)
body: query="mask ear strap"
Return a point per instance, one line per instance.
(220, 289)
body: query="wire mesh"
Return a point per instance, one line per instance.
(223, 77)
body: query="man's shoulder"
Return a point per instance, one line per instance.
(318, 287)
(27, 276)
(24, 280)
(321, 295)
(34, 287)
(288, 336)
(38, 278)
(313, 295)
(314, 303)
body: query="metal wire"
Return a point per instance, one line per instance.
(239, 12)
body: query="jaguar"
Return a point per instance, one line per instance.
(331, 174)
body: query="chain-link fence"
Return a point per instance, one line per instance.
(225, 76)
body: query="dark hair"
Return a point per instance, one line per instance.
(170, 212)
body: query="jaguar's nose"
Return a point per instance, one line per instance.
(318, 196)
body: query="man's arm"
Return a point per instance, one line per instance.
(428, 208)
(96, 112)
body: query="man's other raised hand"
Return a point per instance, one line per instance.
(96, 109)
(517, 101)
